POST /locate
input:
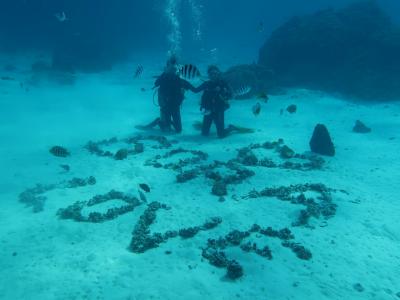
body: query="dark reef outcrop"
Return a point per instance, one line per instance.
(321, 141)
(360, 127)
(352, 51)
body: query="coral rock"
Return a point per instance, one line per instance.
(360, 127)
(121, 154)
(321, 141)
(234, 270)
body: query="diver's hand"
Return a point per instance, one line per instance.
(205, 112)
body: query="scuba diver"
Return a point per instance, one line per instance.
(214, 102)
(171, 92)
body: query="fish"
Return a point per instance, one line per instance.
(61, 17)
(243, 90)
(59, 151)
(291, 108)
(66, 168)
(262, 96)
(7, 78)
(144, 187)
(143, 89)
(260, 27)
(256, 109)
(142, 196)
(139, 71)
(189, 71)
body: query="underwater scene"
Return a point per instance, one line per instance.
(200, 149)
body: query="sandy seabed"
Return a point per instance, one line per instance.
(355, 253)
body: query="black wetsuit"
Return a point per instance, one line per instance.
(214, 102)
(171, 92)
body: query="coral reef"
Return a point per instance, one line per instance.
(286, 152)
(79, 182)
(247, 157)
(198, 156)
(219, 188)
(95, 148)
(142, 240)
(33, 197)
(353, 51)
(221, 175)
(236, 167)
(214, 253)
(324, 206)
(300, 251)
(121, 154)
(234, 270)
(74, 211)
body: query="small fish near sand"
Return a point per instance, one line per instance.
(66, 168)
(7, 78)
(144, 187)
(291, 109)
(260, 27)
(263, 96)
(256, 109)
(138, 72)
(59, 151)
(189, 71)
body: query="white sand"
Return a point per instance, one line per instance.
(63, 259)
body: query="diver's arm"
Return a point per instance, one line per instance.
(157, 83)
(228, 93)
(186, 85)
(200, 88)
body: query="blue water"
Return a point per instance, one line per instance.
(132, 27)
(127, 213)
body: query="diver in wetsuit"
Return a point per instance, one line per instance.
(214, 102)
(171, 92)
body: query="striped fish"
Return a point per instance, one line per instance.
(59, 151)
(139, 71)
(189, 71)
(242, 91)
